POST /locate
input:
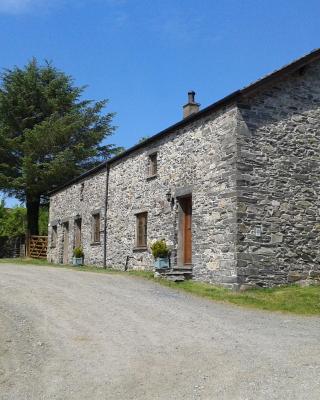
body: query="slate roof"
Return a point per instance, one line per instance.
(233, 97)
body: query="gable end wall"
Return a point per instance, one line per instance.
(278, 181)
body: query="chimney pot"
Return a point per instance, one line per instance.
(191, 107)
(191, 95)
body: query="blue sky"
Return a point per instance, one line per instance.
(145, 55)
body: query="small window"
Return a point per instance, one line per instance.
(54, 236)
(153, 164)
(96, 228)
(141, 235)
(77, 232)
(81, 191)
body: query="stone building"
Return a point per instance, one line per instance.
(233, 189)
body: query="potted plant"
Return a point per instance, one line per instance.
(160, 253)
(77, 256)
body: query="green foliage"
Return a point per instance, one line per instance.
(119, 150)
(160, 249)
(13, 221)
(78, 252)
(291, 299)
(43, 221)
(48, 133)
(2, 213)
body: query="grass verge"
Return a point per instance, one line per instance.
(290, 299)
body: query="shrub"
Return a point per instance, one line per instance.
(78, 252)
(160, 249)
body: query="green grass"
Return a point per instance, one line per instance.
(290, 299)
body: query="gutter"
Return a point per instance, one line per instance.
(105, 219)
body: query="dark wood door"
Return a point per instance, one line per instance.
(186, 204)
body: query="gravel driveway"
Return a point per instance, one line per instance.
(80, 335)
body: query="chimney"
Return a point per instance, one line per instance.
(191, 107)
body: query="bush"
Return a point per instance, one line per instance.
(160, 249)
(13, 221)
(78, 252)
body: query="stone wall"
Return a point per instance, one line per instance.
(279, 181)
(253, 171)
(198, 159)
(82, 199)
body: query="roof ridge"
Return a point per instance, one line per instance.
(251, 87)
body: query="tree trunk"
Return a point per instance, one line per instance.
(33, 205)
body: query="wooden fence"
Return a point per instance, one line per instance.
(12, 247)
(37, 247)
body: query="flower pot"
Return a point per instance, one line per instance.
(77, 261)
(161, 263)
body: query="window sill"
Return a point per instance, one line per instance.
(142, 248)
(95, 243)
(151, 177)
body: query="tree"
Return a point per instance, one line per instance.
(48, 134)
(13, 221)
(3, 214)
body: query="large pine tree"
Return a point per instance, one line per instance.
(48, 134)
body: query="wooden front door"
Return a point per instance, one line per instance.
(66, 243)
(186, 205)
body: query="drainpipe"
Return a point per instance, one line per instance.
(105, 220)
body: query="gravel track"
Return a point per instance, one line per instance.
(81, 335)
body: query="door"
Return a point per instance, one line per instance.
(186, 206)
(66, 243)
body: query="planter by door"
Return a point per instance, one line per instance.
(77, 261)
(161, 263)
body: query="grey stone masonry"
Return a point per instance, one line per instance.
(200, 160)
(80, 200)
(250, 163)
(278, 181)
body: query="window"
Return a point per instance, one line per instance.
(54, 236)
(141, 235)
(96, 228)
(77, 232)
(81, 191)
(153, 164)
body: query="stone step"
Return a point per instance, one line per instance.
(174, 274)
(175, 278)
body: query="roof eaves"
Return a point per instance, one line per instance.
(249, 89)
